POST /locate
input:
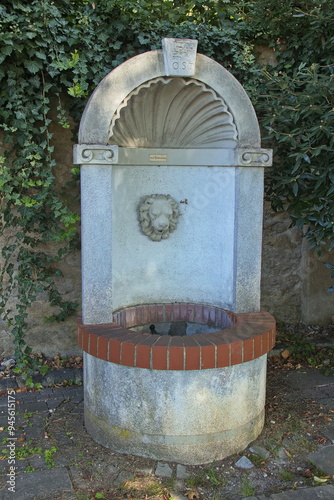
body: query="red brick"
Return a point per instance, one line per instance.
(257, 346)
(236, 353)
(206, 315)
(160, 353)
(212, 316)
(122, 321)
(168, 312)
(208, 352)
(176, 354)
(102, 329)
(183, 312)
(139, 315)
(130, 317)
(223, 355)
(191, 313)
(193, 354)
(153, 313)
(219, 317)
(102, 348)
(199, 313)
(226, 320)
(116, 317)
(248, 350)
(233, 317)
(272, 337)
(146, 314)
(114, 335)
(85, 341)
(265, 342)
(222, 346)
(114, 354)
(176, 312)
(143, 356)
(93, 344)
(127, 354)
(160, 313)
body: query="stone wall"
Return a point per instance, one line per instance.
(294, 278)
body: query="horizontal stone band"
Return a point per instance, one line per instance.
(85, 154)
(239, 338)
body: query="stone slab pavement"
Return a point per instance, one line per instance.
(57, 482)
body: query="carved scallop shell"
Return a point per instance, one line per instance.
(173, 113)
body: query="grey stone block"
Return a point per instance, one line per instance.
(244, 463)
(181, 472)
(260, 451)
(163, 470)
(37, 484)
(318, 493)
(324, 459)
(329, 433)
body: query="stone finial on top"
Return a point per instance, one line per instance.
(179, 56)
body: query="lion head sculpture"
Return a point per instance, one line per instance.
(158, 215)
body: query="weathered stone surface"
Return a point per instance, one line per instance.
(123, 477)
(181, 472)
(148, 411)
(244, 463)
(38, 484)
(260, 451)
(163, 470)
(324, 459)
(281, 267)
(321, 493)
(329, 432)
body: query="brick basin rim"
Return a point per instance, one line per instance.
(239, 338)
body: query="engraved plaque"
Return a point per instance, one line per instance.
(179, 56)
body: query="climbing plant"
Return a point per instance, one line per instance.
(295, 104)
(54, 53)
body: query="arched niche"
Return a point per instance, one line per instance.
(144, 77)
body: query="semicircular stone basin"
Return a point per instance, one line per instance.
(189, 397)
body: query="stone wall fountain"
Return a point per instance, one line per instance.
(172, 192)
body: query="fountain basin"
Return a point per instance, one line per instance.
(191, 399)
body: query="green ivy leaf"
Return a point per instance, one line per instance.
(33, 66)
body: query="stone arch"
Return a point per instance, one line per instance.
(121, 85)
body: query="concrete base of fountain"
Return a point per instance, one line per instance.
(191, 417)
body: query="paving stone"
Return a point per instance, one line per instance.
(8, 383)
(324, 459)
(111, 470)
(34, 432)
(181, 472)
(145, 472)
(319, 492)
(32, 406)
(163, 470)
(37, 462)
(34, 485)
(282, 456)
(260, 451)
(123, 477)
(244, 463)
(329, 433)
